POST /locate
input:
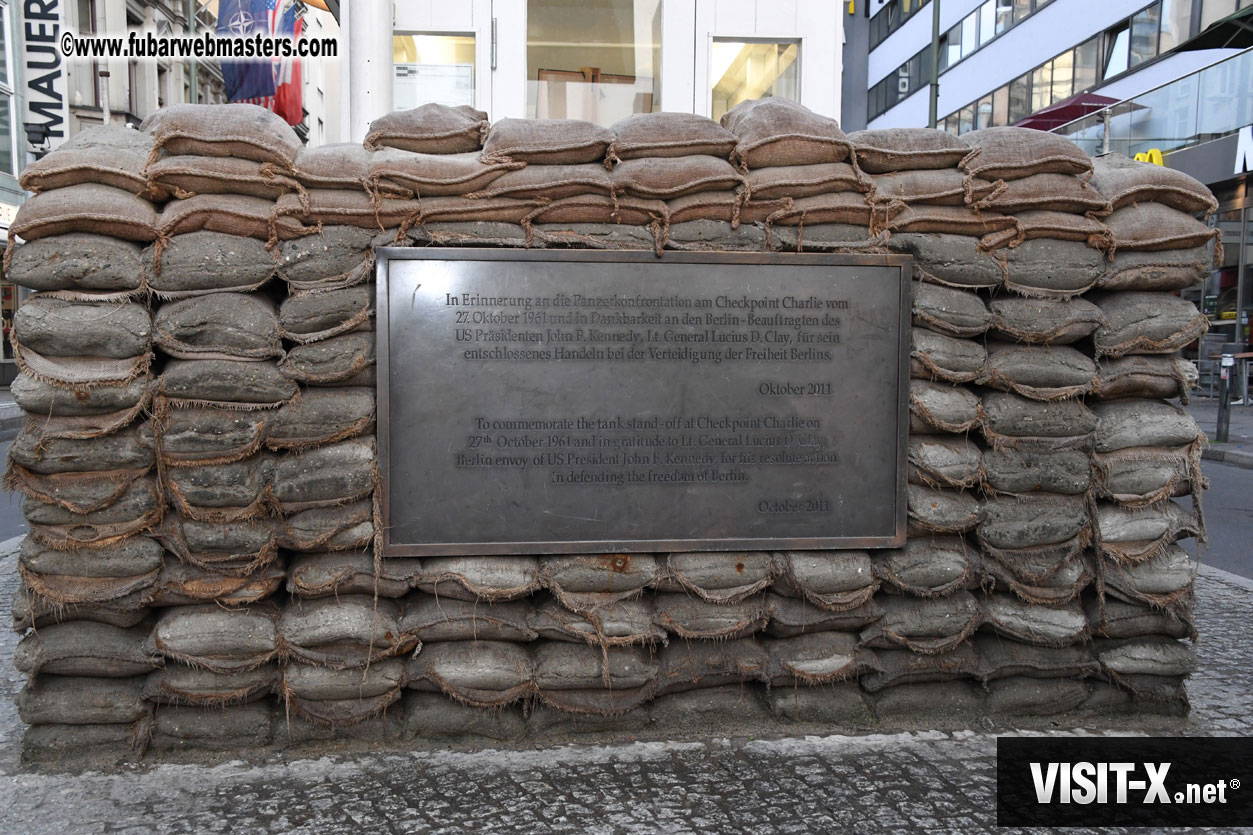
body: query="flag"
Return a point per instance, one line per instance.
(288, 98)
(247, 80)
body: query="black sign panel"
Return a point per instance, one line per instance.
(576, 402)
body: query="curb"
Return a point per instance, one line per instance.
(1207, 570)
(1235, 457)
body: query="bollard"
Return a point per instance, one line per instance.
(1224, 396)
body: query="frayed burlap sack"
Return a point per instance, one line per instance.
(906, 149)
(1146, 323)
(1136, 534)
(1139, 423)
(336, 474)
(1008, 153)
(1044, 321)
(490, 579)
(1152, 377)
(1156, 655)
(129, 449)
(1172, 269)
(1062, 585)
(1053, 226)
(79, 372)
(444, 619)
(348, 632)
(692, 665)
(775, 131)
(229, 214)
(940, 187)
(481, 674)
(791, 616)
(430, 129)
(340, 165)
(596, 208)
(75, 492)
(1119, 619)
(941, 511)
(436, 715)
(716, 235)
(692, 619)
(338, 256)
(1034, 623)
(39, 398)
(78, 263)
(669, 177)
(346, 528)
(178, 684)
(347, 572)
(338, 698)
(947, 310)
(221, 492)
(461, 209)
(1152, 227)
(322, 416)
(233, 728)
(81, 700)
(331, 361)
(567, 666)
(100, 576)
(823, 237)
(952, 260)
(1039, 522)
(58, 328)
(227, 384)
(933, 356)
(546, 142)
(90, 208)
(1164, 581)
(835, 581)
(1031, 696)
(669, 135)
(207, 262)
(928, 626)
(1144, 475)
(110, 155)
(84, 648)
(214, 638)
(548, 182)
(187, 176)
(937, 407)
(240, 131)
(467, 233)
(835, 705)
(1000, 657)
(944, 461)
(1041, 372)
(820, 658)
(615, 624)
(1125, 182)
(187, 585)
(1018, 470)
(239, 548)
(1045, 192)
(718, 577)
(927, 566)
(433, 175)
(237, 326)
(846, 208)
(33, 611)
(581, 582)
(194, 436)
(906, 667)
(1049, 268)
(725, 206)
(951, 220)
(796, 181)
(137, 509)
(344, 207)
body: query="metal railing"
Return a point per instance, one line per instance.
(1213, 101)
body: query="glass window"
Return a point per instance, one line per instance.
(1004, 15)
(950, 123)
(970, 29)
(1176, 23)
(432, 68)
(6, 134)
(1144, 28)
(1085, 64)
(1063, 76)
(1117, 56)
(1039, 4)
(983, 112)
(1042, 87)
(745, 70)
(1019, 98)
(987, 22)
(966, 119)
(1000, 107)
(952, 47)
(894, 15)
(602, 61)
(1022, 9)
(1215, 10)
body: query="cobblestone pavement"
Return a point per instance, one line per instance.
(923, 781)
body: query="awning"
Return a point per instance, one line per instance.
(1066, 111)
(1232, 32)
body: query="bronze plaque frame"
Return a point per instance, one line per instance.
(516, 267)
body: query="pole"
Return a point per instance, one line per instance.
(104, 97)
(369, 63)
(935, 61)
(193, 68)
(1223, 432)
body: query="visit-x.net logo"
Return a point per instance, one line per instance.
(1123, 781)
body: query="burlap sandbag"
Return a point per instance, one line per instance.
(949, 311)
(1141, 423)
(187, 585)
(933, 510)
(347, 528)
(55, 327)
(775, 131)
(82, 700)
(1009, 153)
(479, 578)
(240, 131)
(454, 209)
(803, 180)
(617, 624)
(1152, 227)
(476, 673)
(550, 182)
(951, 220)
(138, 509)
(927, 566)
(1018, 470)
(1041, 372)
(546, 142)
(98, 575)
(727, 207)
(933, 356)
(230, 214)
(1120, 619)
(335, 474)
(129, 449)
(669, 135)
(836, 583)
(821, 658)
(321, 416)
(331, 361)
(37, 397)
(1051, 268)
(846, 207)
(1144, 475)
(909, 668)
(939, 407)
(1037, 522)
(430, 129)
(178, 684)
(435, 174)
(222, 492)
(944, 461)
(791, 616)
(339, 698)
(1044, 321)
(348, 632)
(216, 638)
(1125, 182)
(226, 383)
(1163, 581)
(1172, 269)
(207, 262)
(194, 436)
(1046, 192)
(351, 207)
(669, 177)
(75, 492)
(81, 648)
(1058, 226)
(238, 548)
(718, 577)
(90, 208)
(111, 155)
(311, 317)
(233, 728)
(338, 256)
(692, 665)
(238, 326)
(999, 658)
(906, 149)
(1033, 623)
(186, 176)
(1009, 419)
(952, 260)
(941, 187)
(32, 611)
(348, 572)
(1149, 377)
(691, 618)
(79, 264)
(926, 626)
(1146, 323)
(338, 165)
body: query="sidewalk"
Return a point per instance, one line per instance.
(1239, 447)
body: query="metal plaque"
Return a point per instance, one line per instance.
(576, 401)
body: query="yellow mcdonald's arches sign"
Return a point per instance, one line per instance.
(1152, 155)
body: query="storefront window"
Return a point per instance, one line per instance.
(743, 70)
(598, 60)
(1176, 23)
(433, 68)
(1144, 28)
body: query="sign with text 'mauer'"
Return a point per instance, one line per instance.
(601, 402)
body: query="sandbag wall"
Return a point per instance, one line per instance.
(199, 471)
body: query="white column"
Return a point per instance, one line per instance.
(370, 63)
(678, 56)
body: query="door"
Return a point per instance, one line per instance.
(442, 52)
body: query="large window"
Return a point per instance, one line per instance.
(432, 68)
(598, 60)
(742, 70)
(8, 144)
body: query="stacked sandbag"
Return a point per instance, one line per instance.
(83, 462)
